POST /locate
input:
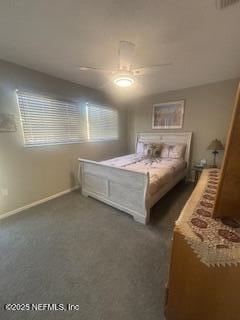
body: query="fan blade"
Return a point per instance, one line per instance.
(126, 52)
(146, 70)
(83, 68)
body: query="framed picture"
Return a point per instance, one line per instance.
(7, 122)
(168, 115)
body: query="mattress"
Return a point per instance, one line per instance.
(161, 170)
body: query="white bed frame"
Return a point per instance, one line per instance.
(128, 190)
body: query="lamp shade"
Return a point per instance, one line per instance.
(215, 145)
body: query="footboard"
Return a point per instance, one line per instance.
(123, 189)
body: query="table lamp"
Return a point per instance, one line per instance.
(215, 145)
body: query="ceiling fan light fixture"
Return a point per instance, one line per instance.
(124, 80)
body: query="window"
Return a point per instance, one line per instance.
(47, 121)
(102, 122)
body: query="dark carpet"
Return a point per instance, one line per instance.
(80, 251)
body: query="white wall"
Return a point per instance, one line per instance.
(208, 111)
(31, 174)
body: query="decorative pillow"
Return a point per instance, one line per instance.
(152, 150)
(176, 151)
(165, 151)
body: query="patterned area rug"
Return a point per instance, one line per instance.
(215, 241)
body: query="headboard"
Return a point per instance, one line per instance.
(169, 138)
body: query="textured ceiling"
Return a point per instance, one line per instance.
(55, 36)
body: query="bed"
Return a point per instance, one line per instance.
(135, 182)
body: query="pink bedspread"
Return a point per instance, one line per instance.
(161, 170)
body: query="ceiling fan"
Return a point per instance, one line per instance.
(125, 75)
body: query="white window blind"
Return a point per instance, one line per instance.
(102, 123)
(47, 121)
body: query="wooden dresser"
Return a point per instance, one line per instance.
(204, 275)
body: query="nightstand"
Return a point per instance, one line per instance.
(197, 172)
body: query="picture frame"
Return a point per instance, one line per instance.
(7, 122)
(168, 115)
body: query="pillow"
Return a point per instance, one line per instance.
(176, 151)
(165, 151)
(152, 150)
(140, 147)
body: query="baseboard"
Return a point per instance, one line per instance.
(35, 203)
